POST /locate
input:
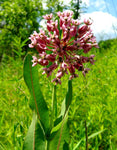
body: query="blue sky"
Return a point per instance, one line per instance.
(102, 5)
(104, 16)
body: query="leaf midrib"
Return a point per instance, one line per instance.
(33, 90)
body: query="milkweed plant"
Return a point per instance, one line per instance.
(60, 50)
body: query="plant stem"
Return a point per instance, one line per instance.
(54, 106)
(86, 133)
(54, 102)
(47, 145)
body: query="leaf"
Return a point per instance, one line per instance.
(66, 103)
(37, 101)
(77, 145)
(24, 42)
(57, 127)
(95, 134)
(58, 120)
(16, 52)
(35, 139)
(59, 135)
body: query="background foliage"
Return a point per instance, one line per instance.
(19, 18)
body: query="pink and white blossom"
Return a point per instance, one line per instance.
(62, 44)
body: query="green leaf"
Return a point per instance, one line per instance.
(67, 101)
(16, 52)
(95, 134)
(77, 145)
(35, 139)
(37, 101)
(58, 120)
(59, 135)
(24, 42)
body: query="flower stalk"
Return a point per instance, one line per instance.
(54, 106)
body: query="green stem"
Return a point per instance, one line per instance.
(54, 106)
(55, 102)
(86, 134)
(47, 145)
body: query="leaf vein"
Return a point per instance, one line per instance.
(33, 90)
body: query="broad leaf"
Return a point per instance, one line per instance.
(67, 101)
(35, 139)
(37, 101)
(59, 135)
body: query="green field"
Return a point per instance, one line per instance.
(94, 100)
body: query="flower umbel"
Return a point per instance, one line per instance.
(61, 46)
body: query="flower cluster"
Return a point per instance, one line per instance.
(59, 48)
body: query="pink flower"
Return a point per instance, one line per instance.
(48, 17)
(57, 80)
(85, 71)
(34, 61)
(88, 21)
(59, 48)
(59, 74)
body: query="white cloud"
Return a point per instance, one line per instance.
(102, 24)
